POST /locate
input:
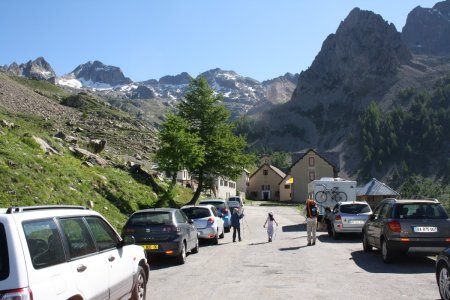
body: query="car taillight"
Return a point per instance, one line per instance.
(170, 229)
(337, 218)
(17, 294)
(394, 226)
(128, 230)
(210, 220)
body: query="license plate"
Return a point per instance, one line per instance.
(425, 229)
(356, 222)
(151, 247)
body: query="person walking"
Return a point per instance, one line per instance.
(271, 223)
(311, 213)
(236, 224)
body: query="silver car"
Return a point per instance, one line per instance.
(207, 220)
(349, 217)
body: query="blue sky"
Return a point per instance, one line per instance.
(149, 39)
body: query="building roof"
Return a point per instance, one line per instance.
(331, 157)
(275, 169)
(376, 188)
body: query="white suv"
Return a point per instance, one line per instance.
(62, 252)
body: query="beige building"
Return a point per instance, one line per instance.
(264, 183)
(308, 166)
(286, 188)
(242, 183)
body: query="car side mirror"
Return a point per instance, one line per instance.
(127, 240)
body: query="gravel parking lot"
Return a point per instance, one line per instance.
(288, 269)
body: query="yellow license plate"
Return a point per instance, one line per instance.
(151, 247)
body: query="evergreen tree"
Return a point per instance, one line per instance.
(208, 136)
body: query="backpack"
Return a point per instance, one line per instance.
(312, 210)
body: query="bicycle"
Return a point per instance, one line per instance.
(332, 194)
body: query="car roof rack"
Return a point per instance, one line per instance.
(18, 209)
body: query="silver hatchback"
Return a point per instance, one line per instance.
(349, 217)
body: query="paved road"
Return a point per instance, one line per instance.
(288, 269)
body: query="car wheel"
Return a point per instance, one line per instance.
(366, 246)
(182, 257)
(444, 282)
(195, 249)
(223, 234)
(386, 253)
(140, 285)
(335, 234)
(216, 239)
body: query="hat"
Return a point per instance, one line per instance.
(270, 213)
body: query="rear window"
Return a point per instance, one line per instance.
(420, 211)
(196, 212)
(218, 205)
(151, 218)
(4, 260)
(355, 208)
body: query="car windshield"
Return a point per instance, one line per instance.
(196, 212)
(355, 208)
(150, 218)
(218, 205)
(4, 260)
(420, 211)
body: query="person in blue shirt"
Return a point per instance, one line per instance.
(236, 224)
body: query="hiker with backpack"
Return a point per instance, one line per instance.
(311, 213)
(270, 226)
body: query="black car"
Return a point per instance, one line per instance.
(407, 226)
(443, 273)
(163, 231)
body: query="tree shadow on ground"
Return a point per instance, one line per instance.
(346, 238)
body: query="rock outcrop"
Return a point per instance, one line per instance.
(427, 30)
(36, 69)
(364, 53)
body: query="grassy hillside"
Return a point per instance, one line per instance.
(29, 176)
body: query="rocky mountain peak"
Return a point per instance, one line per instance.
(427, 30)
(38, 69)
(364, 49)
(183, 78)
(95, 72)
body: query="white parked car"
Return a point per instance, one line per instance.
(62, 252)
(208, 221)
(349, 217)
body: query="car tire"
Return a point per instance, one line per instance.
(223, 234)
(336, 235)
(387, 254)
(140, 286)
(195, 249)
(366, 246)
(215, 240)
(443, 277)
(182, 257)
